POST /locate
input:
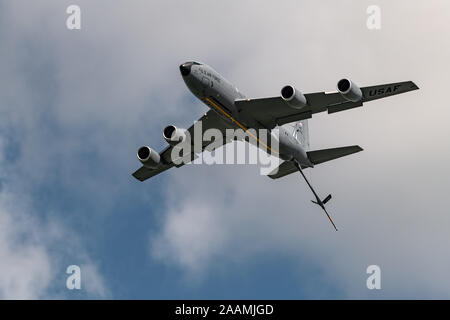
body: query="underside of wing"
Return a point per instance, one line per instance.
(171, 156)
(144, 173)
(208, 122)
(273, 111)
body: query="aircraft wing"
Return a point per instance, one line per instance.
(274, 111)
(144, 173)
(208, 121)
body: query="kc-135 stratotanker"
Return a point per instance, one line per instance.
(230, 109)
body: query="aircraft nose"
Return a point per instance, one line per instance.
(185, 69)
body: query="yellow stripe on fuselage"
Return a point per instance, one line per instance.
(239, 125)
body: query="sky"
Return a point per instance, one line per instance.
(75, 105)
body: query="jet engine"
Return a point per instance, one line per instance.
(349, 90)
(149, 157)
(173, 135)
(294, 98)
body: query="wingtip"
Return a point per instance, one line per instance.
(134, 175)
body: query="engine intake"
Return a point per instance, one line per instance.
(148, 157)
(349, 90)
(173, 135)
(294, 98)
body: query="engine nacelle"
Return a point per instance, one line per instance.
(349, 90)
(294, 98)
(149, 157)
(173, 135)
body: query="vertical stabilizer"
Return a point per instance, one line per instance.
(301, 133)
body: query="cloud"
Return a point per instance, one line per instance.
(25, 268)
(33, 252)
(94, 282)
(183, 239)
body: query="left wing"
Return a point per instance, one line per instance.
(208, 121)
(274, 111)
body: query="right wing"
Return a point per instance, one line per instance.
(209, 120)
(270, 112)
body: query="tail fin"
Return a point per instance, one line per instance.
(301, 133)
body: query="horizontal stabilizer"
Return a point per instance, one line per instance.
(320, 156)
(316, 157)
(284, 169)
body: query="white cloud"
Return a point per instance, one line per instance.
(32, 255)
(192, 236)
(93, 281)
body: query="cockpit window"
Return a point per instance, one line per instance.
(190, 63)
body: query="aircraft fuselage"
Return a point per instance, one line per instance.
(220, 95)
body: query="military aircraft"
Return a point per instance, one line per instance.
(230, 109)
